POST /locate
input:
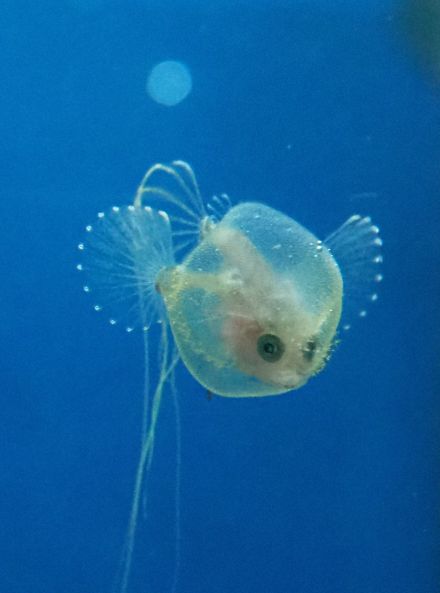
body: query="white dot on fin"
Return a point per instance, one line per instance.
(164, 215)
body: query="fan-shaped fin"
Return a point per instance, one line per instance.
(121, 257)
(357, 249)
(174, 188)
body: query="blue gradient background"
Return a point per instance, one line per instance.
(316, 108)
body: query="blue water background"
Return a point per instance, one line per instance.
(319, 109)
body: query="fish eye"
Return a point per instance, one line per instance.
(310, 349)
(270, 348)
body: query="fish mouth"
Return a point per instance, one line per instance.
(299, 382)
(289, 385)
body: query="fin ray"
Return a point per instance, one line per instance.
(174, 187)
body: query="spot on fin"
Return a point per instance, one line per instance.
(357, 249)
(120, 258)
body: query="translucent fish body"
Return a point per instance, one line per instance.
(255, 306)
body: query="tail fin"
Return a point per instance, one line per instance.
(122, 254)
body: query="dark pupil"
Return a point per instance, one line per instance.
(310, 349)
(270, 347)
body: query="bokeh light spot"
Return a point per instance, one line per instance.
(169, 83)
